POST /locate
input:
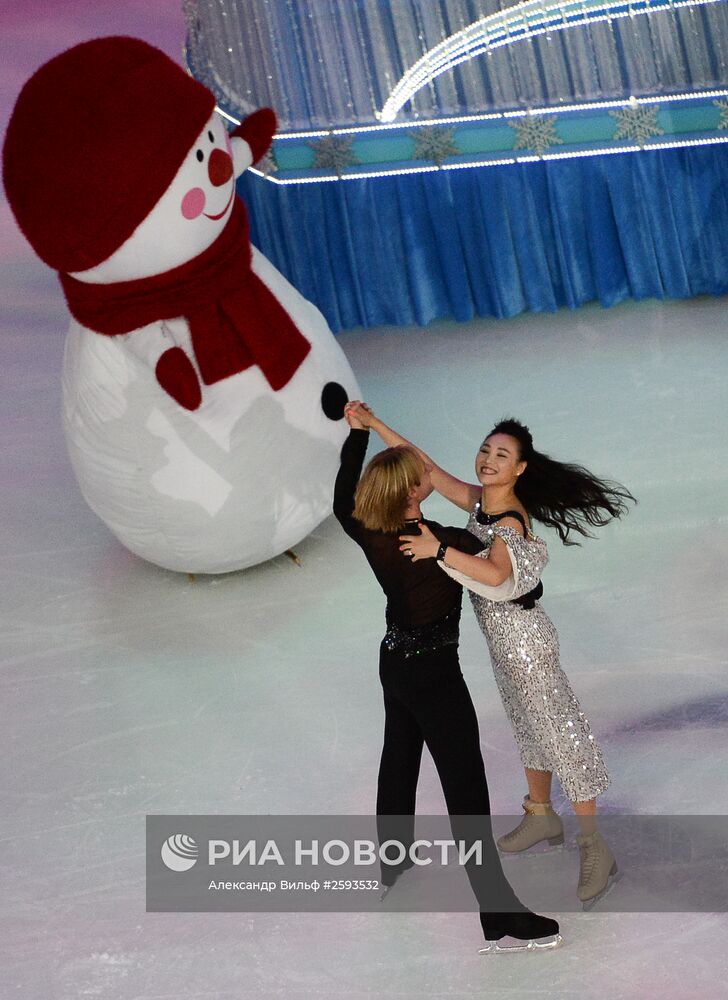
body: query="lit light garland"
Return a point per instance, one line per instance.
(494, 162)
(524, 20)
(491, 116)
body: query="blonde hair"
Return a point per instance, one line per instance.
(381, 497)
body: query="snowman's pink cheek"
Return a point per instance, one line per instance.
(193, 203)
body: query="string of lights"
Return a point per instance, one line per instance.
(506, 27)
(511, 136)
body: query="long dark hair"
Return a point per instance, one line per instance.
(564, 496)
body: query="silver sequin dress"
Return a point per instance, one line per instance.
(551, 731)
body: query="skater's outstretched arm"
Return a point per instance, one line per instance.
(460, 493)
(352, 459)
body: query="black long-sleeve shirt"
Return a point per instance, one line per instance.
(418, 593)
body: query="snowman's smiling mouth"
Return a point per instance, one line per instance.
(220, 215)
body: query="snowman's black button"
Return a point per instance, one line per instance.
(333, 400)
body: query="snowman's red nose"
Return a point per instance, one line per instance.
(220, 167)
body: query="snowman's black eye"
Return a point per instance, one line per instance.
(333, 400)
(200, 155)
(210, 136)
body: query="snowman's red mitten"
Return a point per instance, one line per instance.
(258, 130)
(177, 377)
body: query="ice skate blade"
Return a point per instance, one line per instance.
(589, 904)
(508, 945)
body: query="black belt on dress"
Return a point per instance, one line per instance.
(528, 601)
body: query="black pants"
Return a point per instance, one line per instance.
(426, 701)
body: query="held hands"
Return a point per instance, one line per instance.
(358, 415)
(423, 546)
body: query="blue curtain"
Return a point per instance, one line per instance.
(494, 241)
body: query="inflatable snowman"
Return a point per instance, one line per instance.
(203, 395)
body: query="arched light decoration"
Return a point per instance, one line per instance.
(524, 20)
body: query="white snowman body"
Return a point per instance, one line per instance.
(250, 471)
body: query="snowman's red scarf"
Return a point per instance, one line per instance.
(234, 320)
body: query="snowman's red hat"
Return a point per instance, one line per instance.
(95, 139)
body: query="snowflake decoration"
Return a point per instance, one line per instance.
(333, 152)
(723, 108)
(434, 143)
(536, 132)
(636, 123)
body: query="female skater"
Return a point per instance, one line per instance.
(425, 696)
(516, 483)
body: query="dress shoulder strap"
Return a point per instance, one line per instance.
(492, 518)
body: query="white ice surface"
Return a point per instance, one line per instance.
(127, 690)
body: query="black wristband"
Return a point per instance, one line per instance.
(440, 557)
